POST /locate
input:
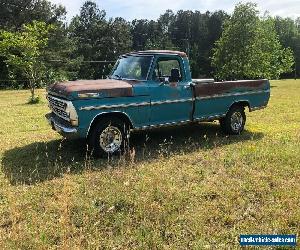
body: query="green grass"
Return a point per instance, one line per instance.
(180, 188)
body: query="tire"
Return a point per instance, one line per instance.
(234, 121)
(109, 136)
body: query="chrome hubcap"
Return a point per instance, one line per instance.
(111, 139)
(236, 121)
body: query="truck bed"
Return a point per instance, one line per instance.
(205, 88)
(214, 98)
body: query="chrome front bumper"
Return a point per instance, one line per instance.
(58, 126)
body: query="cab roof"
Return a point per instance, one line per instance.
(158, 52)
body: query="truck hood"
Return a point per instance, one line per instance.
(92, 88)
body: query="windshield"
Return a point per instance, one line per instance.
(132, 67)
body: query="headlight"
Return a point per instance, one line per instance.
(70, 109)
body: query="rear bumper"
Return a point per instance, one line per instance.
(60, 126)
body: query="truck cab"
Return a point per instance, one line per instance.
(148, 89)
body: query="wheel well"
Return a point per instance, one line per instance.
(241, 104)
(118, 115)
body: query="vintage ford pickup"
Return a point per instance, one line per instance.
(148, 89)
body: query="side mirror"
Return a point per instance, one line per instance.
(164, 81)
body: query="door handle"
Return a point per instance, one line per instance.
(190, 85)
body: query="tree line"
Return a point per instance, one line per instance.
(241, 45)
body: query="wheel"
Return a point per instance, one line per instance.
(234, 121)
(108, 137)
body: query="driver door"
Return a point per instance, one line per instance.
(170, 93)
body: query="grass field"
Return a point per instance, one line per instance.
(182, 188)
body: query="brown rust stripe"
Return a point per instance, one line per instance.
(219, 88)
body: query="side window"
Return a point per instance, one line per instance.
(169, 68)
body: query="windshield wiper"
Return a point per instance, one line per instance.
(117, 77)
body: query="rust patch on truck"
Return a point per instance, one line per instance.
(219, 88)
(159, 52)
(108, 87)
(171, 52)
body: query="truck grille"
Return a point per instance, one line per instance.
(58, 107)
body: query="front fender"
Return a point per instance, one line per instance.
(136, 109)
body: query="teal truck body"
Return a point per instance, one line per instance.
(145, 90)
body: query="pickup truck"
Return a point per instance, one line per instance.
(148, 89)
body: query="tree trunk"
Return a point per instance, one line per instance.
(295, 70)
(32, 86)
(32, 91)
